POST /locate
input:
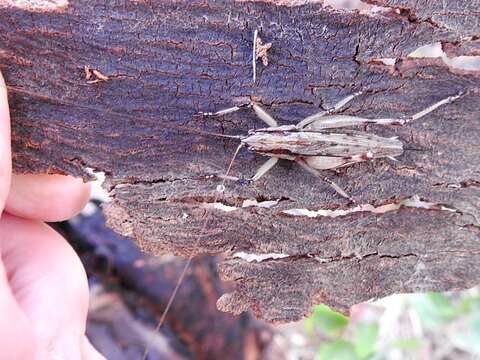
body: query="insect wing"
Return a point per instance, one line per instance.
(356, 143)
(352, 147)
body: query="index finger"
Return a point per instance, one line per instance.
(5, 153)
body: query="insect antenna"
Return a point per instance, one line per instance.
(238, 137)
(220, 190)
(120, 114)
(414, 149)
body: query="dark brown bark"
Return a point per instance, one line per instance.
(460, 17)
(165, 62)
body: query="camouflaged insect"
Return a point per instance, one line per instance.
(311, 144)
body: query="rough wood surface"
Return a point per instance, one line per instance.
(461, 17)
(166, 61)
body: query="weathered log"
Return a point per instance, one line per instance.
(162, 63)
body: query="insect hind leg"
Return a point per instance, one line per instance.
(418, 115)
(429, 109)
(308, 120)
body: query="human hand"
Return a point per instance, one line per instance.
(43, 286)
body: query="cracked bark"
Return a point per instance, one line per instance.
(165, 62)
(459, 17)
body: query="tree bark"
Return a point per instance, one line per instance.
(159, 64)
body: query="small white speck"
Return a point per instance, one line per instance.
(223, 207)
(259, 257)
(89, 209)
(221, 188)
(454, 186)
(446, 208)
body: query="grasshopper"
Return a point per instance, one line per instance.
(313, 145)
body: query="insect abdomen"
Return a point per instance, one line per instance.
(289, 145)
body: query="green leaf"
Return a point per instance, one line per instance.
(469, 304)
(433, 308)
(328, 321)
(337, 350)
(365, 339)
(410, 344)
(309, 325)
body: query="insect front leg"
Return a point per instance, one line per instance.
(270, 163)
(264, 116)
(227, 111)
(308, 120)
(343, 102)
(325, 179)
(261, 113)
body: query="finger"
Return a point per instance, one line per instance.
(46, 197)
(49, 283)
(5, 155)
(16, 337)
